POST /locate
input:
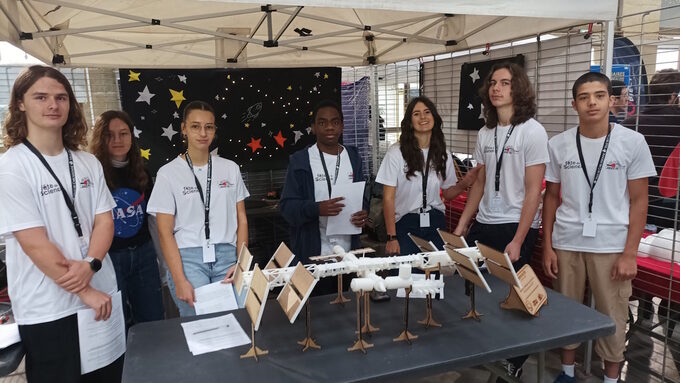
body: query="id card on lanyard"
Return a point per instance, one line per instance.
(425, 215)
(83, 242)
(208, 248)
(496, 205)
(590, 224)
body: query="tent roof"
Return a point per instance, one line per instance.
(196, 33)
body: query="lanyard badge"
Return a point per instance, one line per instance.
(208, 248)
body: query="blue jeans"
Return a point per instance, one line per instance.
(410, 223)
(201, 274)
(139, 282)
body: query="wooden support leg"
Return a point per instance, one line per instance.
(406, 335)
(368, 327)
(308, 341)
(254, 351)
(429, 320)
(360, 344)
(473, 313)
(340, 298)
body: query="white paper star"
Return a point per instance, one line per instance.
(317, 74)
(169, 132)
(474, 75)
(314, 89)
(481, 113)
(298, 135)
(309, 129)
(145, 95)
(175, 115)
(182, 78)
(143, 118)
(136, 131)
(224, 116)
(470, 106)
(217, 97)
(263, 124)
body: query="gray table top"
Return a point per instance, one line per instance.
(157, 351)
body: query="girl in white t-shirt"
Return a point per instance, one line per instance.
(406, 206)
(198, 200)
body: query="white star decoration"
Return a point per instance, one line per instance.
(470, 106)
(182, 78)
(309, 129)
(145, 95)
(224, 116)
(136, 131)
(175, 115)
(474, 75)
(298, 135)
(481, 113)
(169, 132)
(317, 74)
(217, 97)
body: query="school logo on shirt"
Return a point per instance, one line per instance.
(85, 182)
(320, 177)
(128, 215)
(224, 184)
(571, 165)
(189, 190)
(47, 189)
(615, 165)
(510, 150)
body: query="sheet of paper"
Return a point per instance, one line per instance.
(101, 342)
(354, 196)
(401, 293)
(215, 297)
(213, 334)
(9, 335)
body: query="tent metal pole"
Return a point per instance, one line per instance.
(609, 48)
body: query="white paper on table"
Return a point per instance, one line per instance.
(354, 197)
(9, 335)
(101, 342)
(213, 334)
(215, 297)
(401, 293)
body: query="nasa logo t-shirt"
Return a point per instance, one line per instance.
(128, 215)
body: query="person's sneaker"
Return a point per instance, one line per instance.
(510, 370)
(564, 378)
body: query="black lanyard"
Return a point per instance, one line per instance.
(67, 198)
(500, 159)
(325, 170)
(600, 162)
(206, 200)
(425, 175)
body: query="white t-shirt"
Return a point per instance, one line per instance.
(627, 158)
(29, 198)
(527, 146)
(175, 193)
(345, 176)
(409, 193)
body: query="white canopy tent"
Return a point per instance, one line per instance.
(244, 33)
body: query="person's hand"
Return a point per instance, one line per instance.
(77, 277)
(185, 292)
(98, 301)
(513, 249)
(392, 247)
(459, 231)
(358, 219)
(230, 273)
(550, 262)
(471, 176)
(625, 267)
(331, 207)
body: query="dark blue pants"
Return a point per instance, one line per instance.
(410, 223)
(139, 282)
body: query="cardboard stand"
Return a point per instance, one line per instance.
(526, 291)
(255, 302)
(468, 269)
(406, 335)
(360, 344)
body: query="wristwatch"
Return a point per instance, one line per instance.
(95, 264)
(391, 237)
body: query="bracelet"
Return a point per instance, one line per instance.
(391, 237)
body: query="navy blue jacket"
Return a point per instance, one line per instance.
(300, 210)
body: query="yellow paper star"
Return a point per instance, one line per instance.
(145, 153)
(292, 126)
(133, 76)
(289, 87)
(177, 97)
(310, 113)
(247, 125)
(228, 77)
(325, 75)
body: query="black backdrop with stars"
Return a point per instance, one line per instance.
(472, 75)
(262, 115)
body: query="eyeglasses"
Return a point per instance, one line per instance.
(209, 128)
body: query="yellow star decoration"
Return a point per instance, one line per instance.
(325, 76)
(310, 113)
(289, 87)
(133, 76)
(228, 77)
(292, 126)
(177, 97)
(145, 153)
(247, 125)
